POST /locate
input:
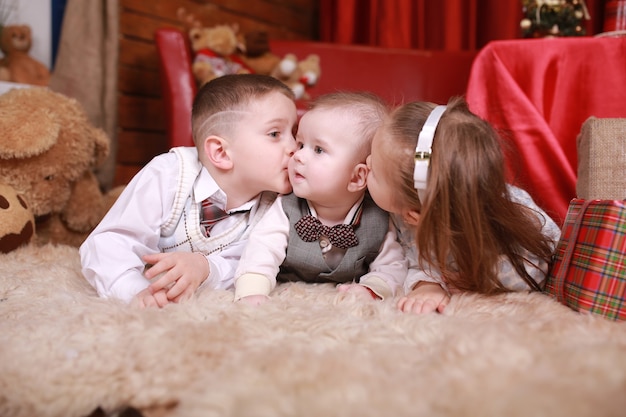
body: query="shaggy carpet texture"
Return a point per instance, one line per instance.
(311, 351)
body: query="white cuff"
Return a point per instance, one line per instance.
(251, 284)
(378, 286)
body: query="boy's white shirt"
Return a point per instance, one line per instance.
(111, 255)
(267, 246)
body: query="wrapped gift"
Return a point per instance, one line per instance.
(615, 16)
(588, 272)
(601, 147)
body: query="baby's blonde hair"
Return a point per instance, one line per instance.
(369, 109)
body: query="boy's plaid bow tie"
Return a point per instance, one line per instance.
(310, 229)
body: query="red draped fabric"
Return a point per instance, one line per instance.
(429, 24)
(538, 93)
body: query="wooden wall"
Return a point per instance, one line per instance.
(141, 124)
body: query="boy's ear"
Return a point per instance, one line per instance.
(216, 151)
(411, 217)
(358, 181)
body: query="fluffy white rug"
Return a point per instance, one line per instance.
(310, 352)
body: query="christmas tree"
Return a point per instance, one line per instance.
(548, 18)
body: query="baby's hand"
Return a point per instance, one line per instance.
(181, 273)
(146, 298)
(426, 297)
(254, 300)
(357, 289)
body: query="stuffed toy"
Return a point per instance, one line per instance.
(254, 50)
(215, 54)
(48, 151)
(301, 75)
(16, 65)
(17, 222)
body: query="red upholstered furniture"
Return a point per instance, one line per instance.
(538, 93)
(177, 84)
(395, 74)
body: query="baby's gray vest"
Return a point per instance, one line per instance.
(304, 260)
(182, 231)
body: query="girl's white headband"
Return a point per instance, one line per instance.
(424, 149)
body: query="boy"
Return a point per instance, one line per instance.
(242, 130)
(301, 237)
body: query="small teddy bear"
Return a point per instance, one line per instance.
(299, 75)
(17, 65)
(48, 151)
(215, 52)
(254, 50)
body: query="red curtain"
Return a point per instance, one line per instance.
(429, 24)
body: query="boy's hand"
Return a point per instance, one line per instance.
(426, 297)
(181, 273)
(145, 299)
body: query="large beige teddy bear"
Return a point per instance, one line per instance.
(48, 150)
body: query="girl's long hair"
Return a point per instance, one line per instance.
(467, 220)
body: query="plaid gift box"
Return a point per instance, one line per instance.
(588, 272)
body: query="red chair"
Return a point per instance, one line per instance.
(177, 84)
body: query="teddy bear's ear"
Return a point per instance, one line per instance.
(195, 34)
(26, 129)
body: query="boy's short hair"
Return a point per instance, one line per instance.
(225, 94)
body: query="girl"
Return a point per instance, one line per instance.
(441, 170)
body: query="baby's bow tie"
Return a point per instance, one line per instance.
(310, 229)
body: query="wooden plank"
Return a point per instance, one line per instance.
(138, 148)
(137, 81)
(299, 4)
(275, 14)
(140, 113)
(166, 9)
(281, 19)
(263, 8)
(130, 28)
(140, 26)
(124, 173)
(138, 54)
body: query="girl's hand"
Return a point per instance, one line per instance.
(426, 297)
(357, 289)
